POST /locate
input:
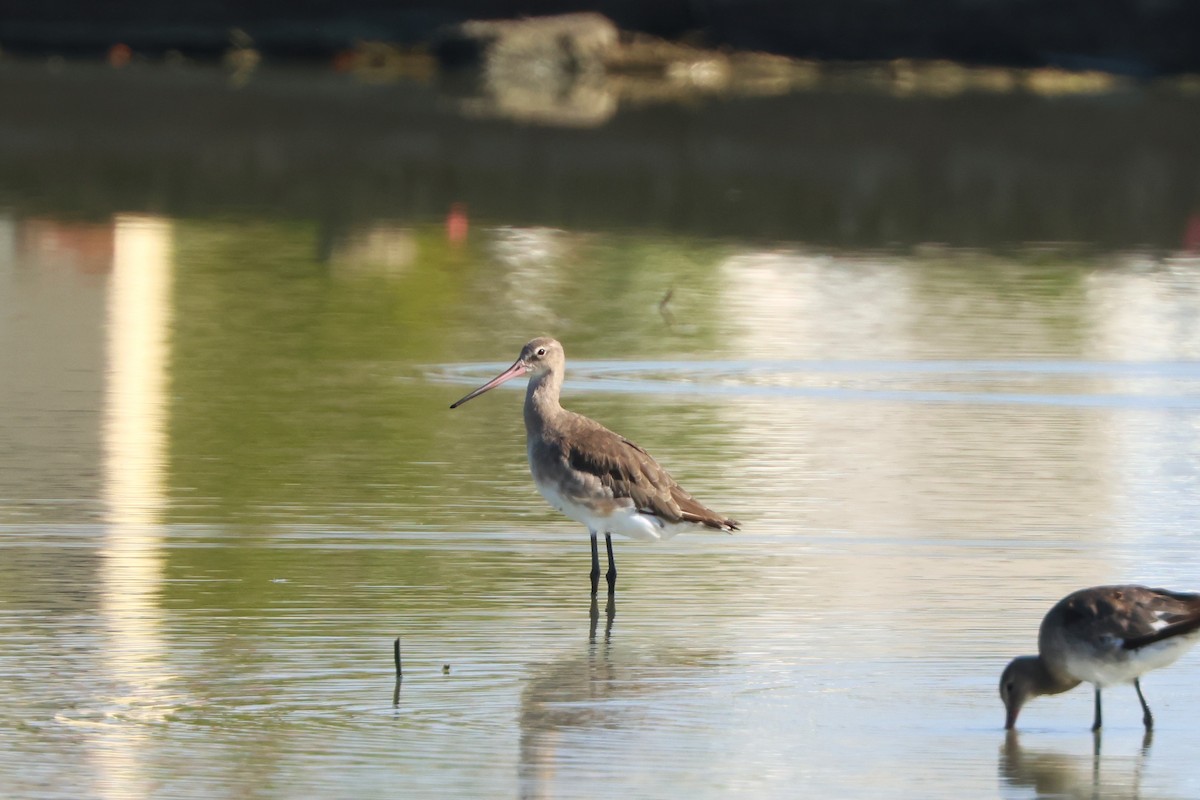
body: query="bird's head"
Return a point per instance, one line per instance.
(542, 355)
(1018, 684)
(538, 357)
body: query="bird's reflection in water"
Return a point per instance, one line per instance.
(610, 611)
(1068, 775)
(581, 709)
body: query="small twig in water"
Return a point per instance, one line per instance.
(667, 316)
(396, 653)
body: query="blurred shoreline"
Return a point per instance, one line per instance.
(1130, 37)
(832, 165)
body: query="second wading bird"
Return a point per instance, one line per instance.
(594, 476)
(1104, 635)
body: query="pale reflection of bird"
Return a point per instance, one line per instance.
(592, 475)
(1064, 776)
(1104, 635)
(573, 705)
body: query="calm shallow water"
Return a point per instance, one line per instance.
(231, 479)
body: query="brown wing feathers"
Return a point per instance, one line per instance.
(627, 470)
(1181, 611)
(1132, 614)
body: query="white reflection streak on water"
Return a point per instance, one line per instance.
(1152, 312)
(131, 566)
(900, 468)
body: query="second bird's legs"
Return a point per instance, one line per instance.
(1147, 717)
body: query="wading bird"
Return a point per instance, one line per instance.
(1105, 635)
(592, 475)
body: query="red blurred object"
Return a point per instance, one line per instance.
(456, 223)
(78, 246)
(344, 61)
(119, 55)
(1191, 234)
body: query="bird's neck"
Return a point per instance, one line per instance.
(541, 401)
(1047, 681)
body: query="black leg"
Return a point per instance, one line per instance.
(1096, 724)
(1147, 717)
(595, 564)
(611, 575)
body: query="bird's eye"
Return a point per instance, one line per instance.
(541, 351)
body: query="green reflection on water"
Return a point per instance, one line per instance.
(297, 393)
(284, 376)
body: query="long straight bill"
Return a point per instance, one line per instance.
(516, 370)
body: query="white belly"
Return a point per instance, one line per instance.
(624, 520)
(1124, 665)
